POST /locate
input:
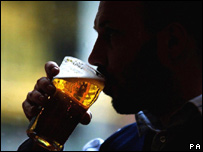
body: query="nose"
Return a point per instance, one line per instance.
(98, 56)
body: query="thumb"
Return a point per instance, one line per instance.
(86, 118)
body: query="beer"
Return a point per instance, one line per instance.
(82, 90)
(63, 112)
(57, 120)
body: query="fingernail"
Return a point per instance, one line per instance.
(54, 69)
(90, 115)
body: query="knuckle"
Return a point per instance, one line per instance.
(36, 87)
(29, 95)
(32, 97)
(42, 83)
(36, 95)
(38, 81)
(23, 104)
(41, 80)
(26, 109)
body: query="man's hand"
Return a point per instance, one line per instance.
(42, 90)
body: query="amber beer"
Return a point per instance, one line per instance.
(73, 96)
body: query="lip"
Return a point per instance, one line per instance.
(107, 88)
(108, 80)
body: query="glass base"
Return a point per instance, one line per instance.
(45, 143)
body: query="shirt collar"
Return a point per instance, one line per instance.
(197, 101)
(146, 121)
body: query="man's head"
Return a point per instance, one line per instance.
(139, 57)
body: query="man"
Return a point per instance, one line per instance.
(150, 54)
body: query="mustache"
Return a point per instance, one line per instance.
(102, 70)
(109, 78)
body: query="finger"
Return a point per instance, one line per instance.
(35, 98)
(85, 120)
(45, 86)
(51, 69)
(29, 110)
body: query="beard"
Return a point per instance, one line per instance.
(147, 84)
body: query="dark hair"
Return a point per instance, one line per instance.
(158, 14)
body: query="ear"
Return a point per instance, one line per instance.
(171, 45)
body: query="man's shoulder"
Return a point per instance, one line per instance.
(126, 138)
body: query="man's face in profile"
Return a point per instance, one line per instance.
(126, 54)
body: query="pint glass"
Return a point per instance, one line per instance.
(77, 88)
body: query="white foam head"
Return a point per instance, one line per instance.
(73, 67)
